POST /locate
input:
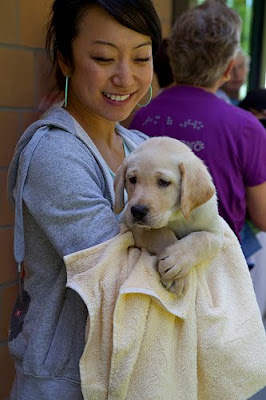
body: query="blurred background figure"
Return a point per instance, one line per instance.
(238, 78)
(255, 102)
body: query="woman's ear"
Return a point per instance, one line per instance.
(63, 64)
(227, 72)
(226, 75)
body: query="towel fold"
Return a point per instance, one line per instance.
(145, 343)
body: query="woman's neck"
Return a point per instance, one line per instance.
(103, 134)
(99, 129)
(212, 89)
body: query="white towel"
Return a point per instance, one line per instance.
(145, 343)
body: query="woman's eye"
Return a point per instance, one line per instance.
(143, 60)
(133, 180)
(163, 183)
(102, 59)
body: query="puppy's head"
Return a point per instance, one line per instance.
(161, 177)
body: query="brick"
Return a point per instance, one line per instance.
(164, 9)
(8, 270)
(27, 118)
(17, 84)
(7, 371)
(7, 301)
(165, 12)
(6, 214)
(8, 32)
(9, 122)
(32, 20)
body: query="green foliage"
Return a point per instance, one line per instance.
(244, 9)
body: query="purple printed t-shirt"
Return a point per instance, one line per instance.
(230, 141)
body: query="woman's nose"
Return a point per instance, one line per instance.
(123, 75)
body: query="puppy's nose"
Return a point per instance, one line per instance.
(139, 211)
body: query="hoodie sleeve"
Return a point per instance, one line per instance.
(65, 193)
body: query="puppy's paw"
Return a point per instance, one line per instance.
(178, 286)
(172, 267)
(168, 284)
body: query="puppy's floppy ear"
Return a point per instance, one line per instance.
(196, 186)
(119, 186)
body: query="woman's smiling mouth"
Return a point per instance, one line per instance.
(116, 97)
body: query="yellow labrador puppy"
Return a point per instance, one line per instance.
(171, 209)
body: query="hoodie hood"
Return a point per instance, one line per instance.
(56, 118)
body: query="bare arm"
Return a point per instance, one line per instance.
(256, 205)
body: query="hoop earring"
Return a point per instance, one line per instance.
(148, 102)
(66, 91)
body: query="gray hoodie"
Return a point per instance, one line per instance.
(62, 192)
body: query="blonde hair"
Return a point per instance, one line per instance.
(203, 41)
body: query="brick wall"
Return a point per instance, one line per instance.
(24, 82)
(164, 9)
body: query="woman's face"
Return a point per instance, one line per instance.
(111, 69)
(238, 74)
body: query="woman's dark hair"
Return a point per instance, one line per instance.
(162, 66)
(138, 15)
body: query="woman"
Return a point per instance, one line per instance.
(61, 180)
(255, 102)
(238, 77)
(231, 141)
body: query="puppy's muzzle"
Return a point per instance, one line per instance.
(139, 212)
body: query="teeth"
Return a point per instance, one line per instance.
(116, 97)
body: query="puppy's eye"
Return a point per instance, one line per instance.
(133, 180)
(163, 183)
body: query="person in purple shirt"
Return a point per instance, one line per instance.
(230, 141)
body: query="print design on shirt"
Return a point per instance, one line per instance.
(194, 124)
(195, 146)
(153, 120)
(169, 121)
